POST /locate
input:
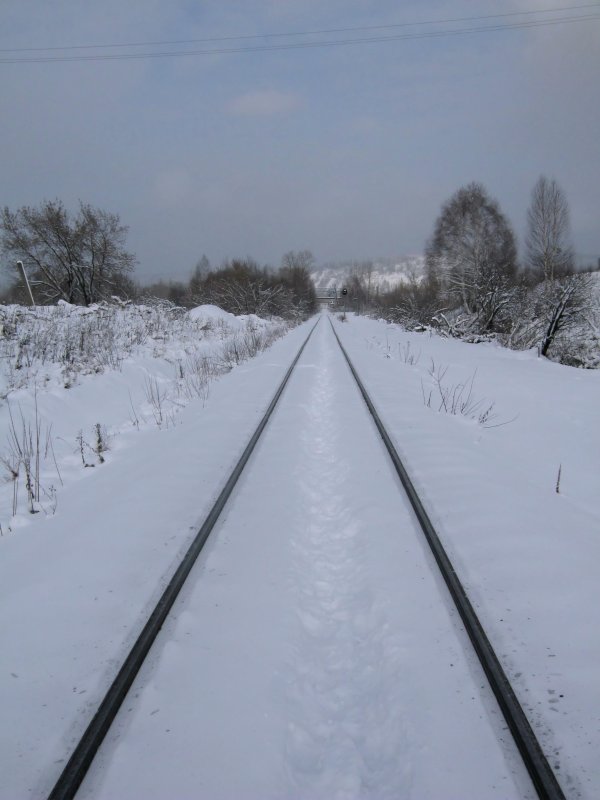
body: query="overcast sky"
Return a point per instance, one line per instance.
(348, 151)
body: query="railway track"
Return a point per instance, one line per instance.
(325, 597)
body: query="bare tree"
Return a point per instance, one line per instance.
(301, 259)
(471, 258)
(242, 287)
(563, 304)
(561, 298)
(549, 254)
(199, 275)
(295, 274)
(413, 303)
(551, 316)
(361, 280)
(79, 259)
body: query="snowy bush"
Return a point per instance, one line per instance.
(170, 356)
(560, 317)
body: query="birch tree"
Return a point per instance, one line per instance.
(471, 258)
(548, 251)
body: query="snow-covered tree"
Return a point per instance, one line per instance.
(471, 257)
(80, 259)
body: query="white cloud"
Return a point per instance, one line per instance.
(265, 102)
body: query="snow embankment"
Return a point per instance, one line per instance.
(73, 379)
(504, 448)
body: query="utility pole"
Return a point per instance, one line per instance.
(26, 279)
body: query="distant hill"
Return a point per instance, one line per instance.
(385, 275)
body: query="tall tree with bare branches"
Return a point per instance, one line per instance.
(78, 258)
(471, 257)
(548, 251)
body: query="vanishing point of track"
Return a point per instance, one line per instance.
(537, 765)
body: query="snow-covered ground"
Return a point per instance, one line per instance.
(528, 555)
(313, 654)
(312, 673)
(77, 584)
(77, 384)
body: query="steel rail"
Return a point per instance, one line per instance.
(535, 761)
(78, 764)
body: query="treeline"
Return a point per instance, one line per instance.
(82, 259)
(475, 287)
(241, 286)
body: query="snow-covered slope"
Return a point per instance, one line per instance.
(512, 481)
(73, 379)
(384, 274)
